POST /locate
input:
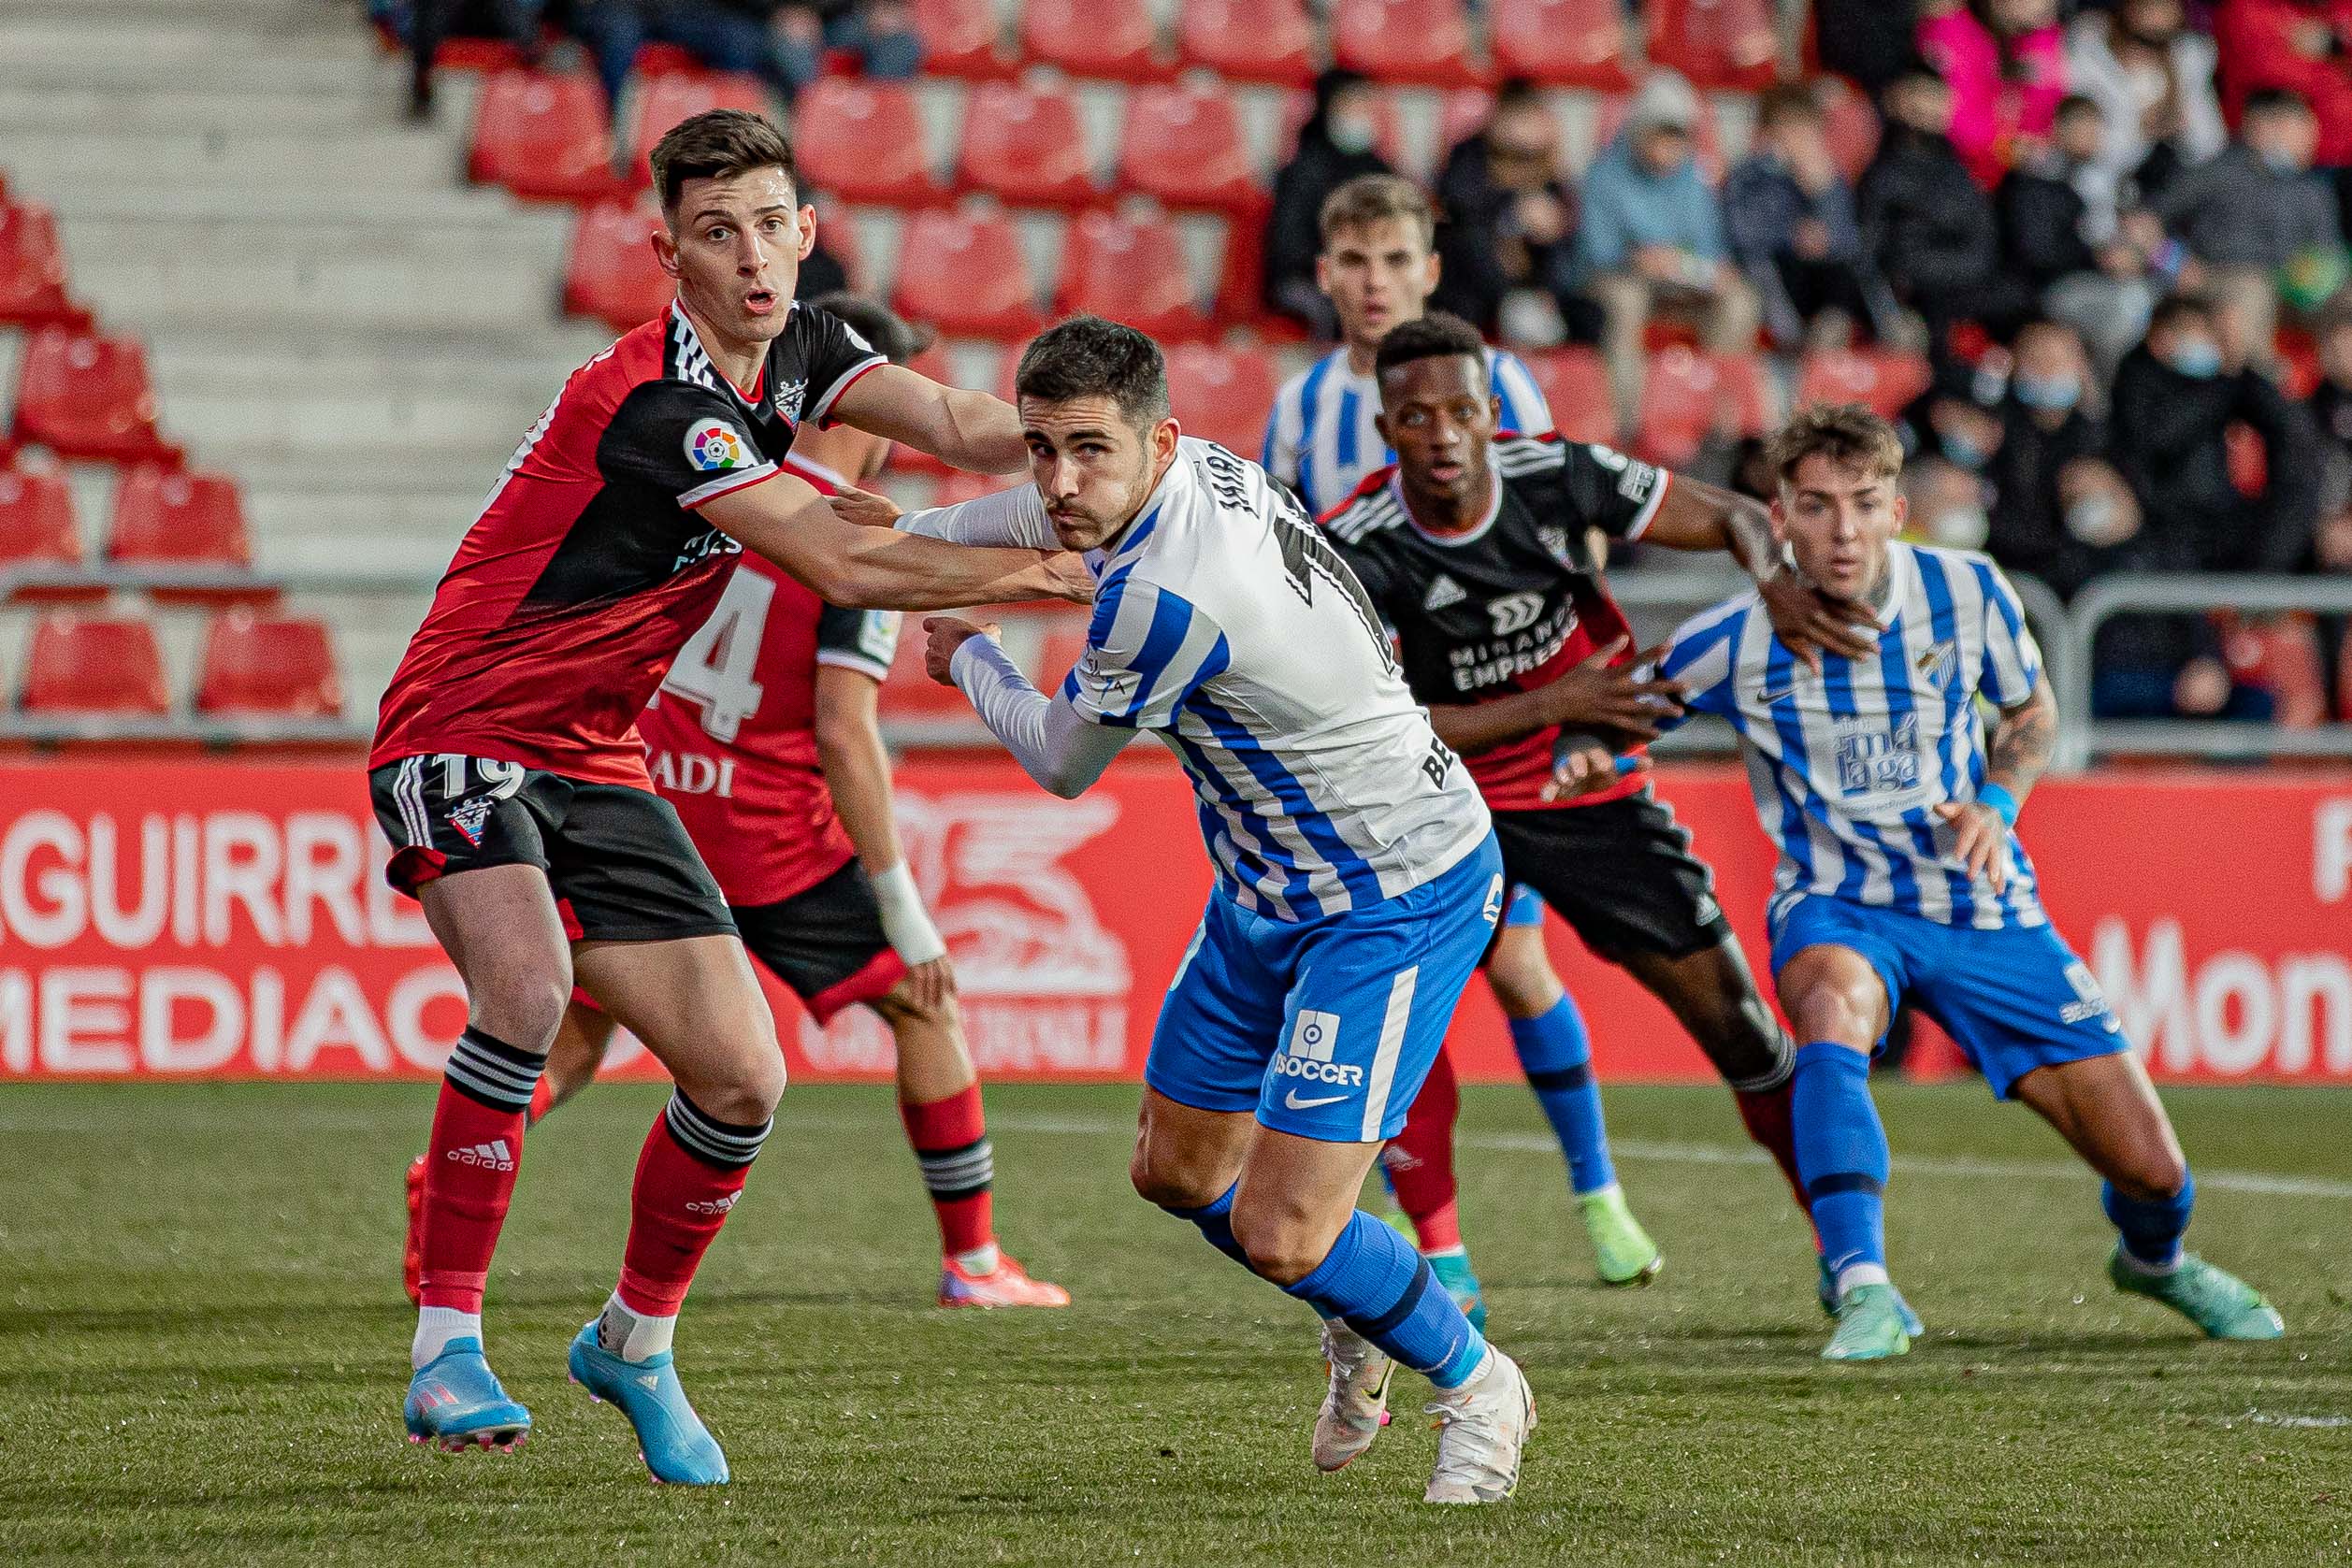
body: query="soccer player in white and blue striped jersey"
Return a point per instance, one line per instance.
(1379, 267)
(1358, 879)
(1901, 875)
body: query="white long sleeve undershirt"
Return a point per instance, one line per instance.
(1056, 745)
(1009, 517)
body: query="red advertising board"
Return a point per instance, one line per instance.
(203, 918)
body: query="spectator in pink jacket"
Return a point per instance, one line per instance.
(2006, 62)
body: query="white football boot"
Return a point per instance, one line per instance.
(1482, 1426)
(1356, 1407)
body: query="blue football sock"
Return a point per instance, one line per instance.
(1841, 1154)
(1557, 1057)
(1375, 1279)
(1216, 1222)
(2152, 1227)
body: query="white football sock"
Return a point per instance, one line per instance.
(981, 1259)
(1861, 1273)
(633, 1337)
(2147, 1269)
(436, 1327)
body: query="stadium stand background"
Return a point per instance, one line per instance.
(270, 338)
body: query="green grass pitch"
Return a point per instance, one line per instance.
(203, 1351)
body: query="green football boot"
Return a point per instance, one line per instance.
(1870, 1328)
(1621, 1249)
(1460, 1282)
(2216, 1301)
(1826, 1291)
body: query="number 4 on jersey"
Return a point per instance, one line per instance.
(714, 670)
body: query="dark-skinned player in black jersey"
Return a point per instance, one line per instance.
(1477, 549)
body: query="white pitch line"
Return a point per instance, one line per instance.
(2264, 1182)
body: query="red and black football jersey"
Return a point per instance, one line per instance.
(590, 566)
(731, 734)
(1507, 605)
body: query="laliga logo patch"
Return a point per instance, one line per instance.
(713, 445)
(470, 816)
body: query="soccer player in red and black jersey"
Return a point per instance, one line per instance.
(765, 736)
(1475, 547)
(508, 773)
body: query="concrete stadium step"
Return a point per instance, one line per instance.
(232, 106)
(490, 241)
(337, 530)
(384, 157)
(153, 289)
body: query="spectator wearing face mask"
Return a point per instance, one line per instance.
(2152, 80)
(1652, 238)
(1791, 226)
(1334, 145)
(2093, 267)
(1929, 227)
(1506, 245)
(2258, 220)
(2005, 62)
(2047, 426)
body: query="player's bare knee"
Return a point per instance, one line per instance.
(1523, 983)
(1833, 1008)
(2150, 1168)
(1283, 1245)
(1162, 1178)
(523, 1009)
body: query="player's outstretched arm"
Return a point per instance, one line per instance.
(856, 770)
(1707, 517)
(881, 569)
(2019, 748)
(1054, 743)
(1015, 516)
(969, 430)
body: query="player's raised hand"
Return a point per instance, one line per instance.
(864, 508)
(1596, 694)
(1982, 839)
(930, 985)
(1810, 621)
(1581, 765)
(947, 632)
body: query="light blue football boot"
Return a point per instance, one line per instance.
(671, 1438)
(1828, 1290)
(455, 1402)
(1460, 1282)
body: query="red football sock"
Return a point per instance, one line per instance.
(542, 1099)
(1422, 1174)
(1766, 1116)
(950, 1137)
(471, 1161)
(689, 1177)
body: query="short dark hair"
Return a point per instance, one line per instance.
(719, 144)
(2077, 103)
(2172, 308)
(893, 338)
(1785, 101)
(1847, 434)
(1436, 335)
(1087, 357)
(2275, 100)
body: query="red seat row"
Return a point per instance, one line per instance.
(33, 270)
(258, 666)
(547, 137)
(1563, 43)
(164, 518)
(83, 393)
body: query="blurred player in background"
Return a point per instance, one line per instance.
(1357, 878)
(1900, 873)
(766, 738)
(507, 772)
(1378, 269)
(1476, 549)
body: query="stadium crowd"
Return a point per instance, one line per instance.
(2116, 231)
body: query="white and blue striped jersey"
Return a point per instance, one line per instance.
(1227, 624)
(1321, 440)
(1847, 765)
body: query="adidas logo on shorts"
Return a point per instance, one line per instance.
(1308, 1054)
(492, 1156)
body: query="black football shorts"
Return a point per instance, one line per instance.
(825, 942)
(618, 859)
(1620, 872)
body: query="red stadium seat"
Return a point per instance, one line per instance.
(1026, 144)
(1221, 395)
(1688, 397)
(963, 272)
(1116, 39)
(1575, 384)
(82, 395)
(662, 102)
(543, 135)
(33, 270)
(1730, 45)
(961, 38)
(1184, 146)
(1463, 114)
(863, 141)
(91, 664)
(1882, 380)
(274, 666)
(1249, 40)
(38, 531)
(165, 519)
(1130, 270)
(1561, 43)
(2278, 654)
(1412, 43)
(1706, 139)
(611, 274)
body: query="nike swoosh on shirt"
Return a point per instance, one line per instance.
(1292, 1101)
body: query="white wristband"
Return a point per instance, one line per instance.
(904, 920)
